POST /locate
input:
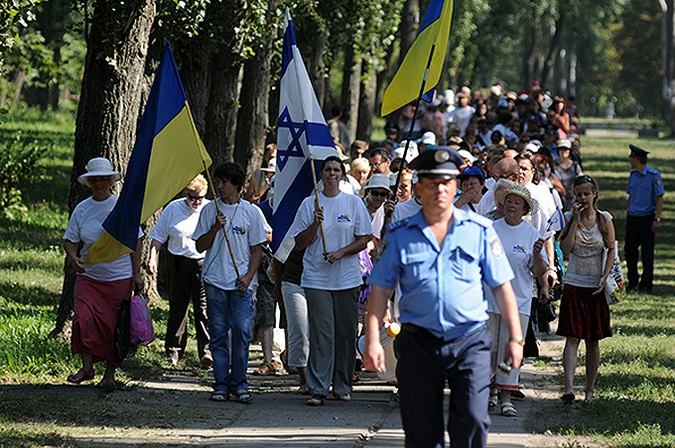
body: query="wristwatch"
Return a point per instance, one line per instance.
(519, 340)
(657, 219)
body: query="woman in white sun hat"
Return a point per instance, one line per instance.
(99, 288)
(522, 247)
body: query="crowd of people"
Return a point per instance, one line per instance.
(468, 197)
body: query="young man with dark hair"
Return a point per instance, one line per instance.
(231, 232)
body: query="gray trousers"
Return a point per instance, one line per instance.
(333, 319)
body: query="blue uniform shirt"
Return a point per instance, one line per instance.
(442, 288)
(643, 188)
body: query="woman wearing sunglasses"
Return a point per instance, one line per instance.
(376, 192)
(175, 227)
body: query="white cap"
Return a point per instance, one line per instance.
(531, 147)
(466, 155)
(429, 138)
(377, 181)
(413, 151)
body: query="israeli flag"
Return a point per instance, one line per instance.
(302, 134)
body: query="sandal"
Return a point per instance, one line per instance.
(568, 397)
(265, 369)
(107, 384)
(507, 409)
(517, 395)
(242, 396)
(219, 396)
(303, 390)
(80, 376)
(492, 403)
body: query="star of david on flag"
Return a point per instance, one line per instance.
(302, 134)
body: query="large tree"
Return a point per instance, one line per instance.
(113, 89)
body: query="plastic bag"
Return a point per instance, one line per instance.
(123, 348)
(141, 329)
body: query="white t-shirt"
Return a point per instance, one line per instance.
(405, 210)
(345, 217)
(546, 220)
(462, 116)
(177, 224)
(245, 228)
(86, 225)
(517, 242)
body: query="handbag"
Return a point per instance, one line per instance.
(123, 348)
(141, 330)
(615, 287)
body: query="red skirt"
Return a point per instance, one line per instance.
(583, 315)
(97, 305)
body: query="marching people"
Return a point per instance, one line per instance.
(440, 257)
(230, 224)
(587, 239)
(175, 227)
(333, 232)
(523, 247)
(99, 288)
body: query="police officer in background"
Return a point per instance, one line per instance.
(442, 256)
(643, 218)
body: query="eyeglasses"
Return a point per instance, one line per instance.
(382, 194)
(195, 198)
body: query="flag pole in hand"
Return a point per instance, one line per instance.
(317, 204)
(227, 238)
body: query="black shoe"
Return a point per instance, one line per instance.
(645, 290)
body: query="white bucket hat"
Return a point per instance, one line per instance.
(99, 166)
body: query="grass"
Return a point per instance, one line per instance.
(635, 388)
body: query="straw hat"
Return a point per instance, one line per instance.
(99, 166)
(524, 193)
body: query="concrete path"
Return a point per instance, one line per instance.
(278, 417)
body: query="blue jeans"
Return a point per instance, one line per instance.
(229, 310)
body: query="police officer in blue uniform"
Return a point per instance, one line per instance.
(441, 258)
(643, 218)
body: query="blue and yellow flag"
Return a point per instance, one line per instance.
(407, 82)
(167, 155)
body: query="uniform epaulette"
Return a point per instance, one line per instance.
(397, 225)
(475, 218)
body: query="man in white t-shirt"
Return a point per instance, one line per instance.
(231, 232)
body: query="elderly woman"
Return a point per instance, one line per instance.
(99, 288)
(176, 226)
(376, 192)
(522, 247)
(333, 233)
(472, 182)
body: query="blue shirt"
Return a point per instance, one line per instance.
(442, 288)
(643, 188)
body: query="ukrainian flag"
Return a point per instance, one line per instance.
(167, 155)
(434, 33)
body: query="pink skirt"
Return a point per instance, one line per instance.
(97, 304)
(583, 315)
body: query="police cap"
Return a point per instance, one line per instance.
(440, 161)
(637, 151)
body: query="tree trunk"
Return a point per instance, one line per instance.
(253, 118)
(112, 88)
(549, 65)
(410, 22)
(316, 70)
(221, 113)
(351, 87)
(367, 104)
(530, 66)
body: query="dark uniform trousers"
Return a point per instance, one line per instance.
(425, 364)
(639, 233)
(186, 286)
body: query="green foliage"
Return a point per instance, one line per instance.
(18, 160)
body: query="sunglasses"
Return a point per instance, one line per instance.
(382, 194)
(195, 198)
(583, 178)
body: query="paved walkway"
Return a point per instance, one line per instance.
(279, 417)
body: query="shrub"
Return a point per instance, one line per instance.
(18, 164)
